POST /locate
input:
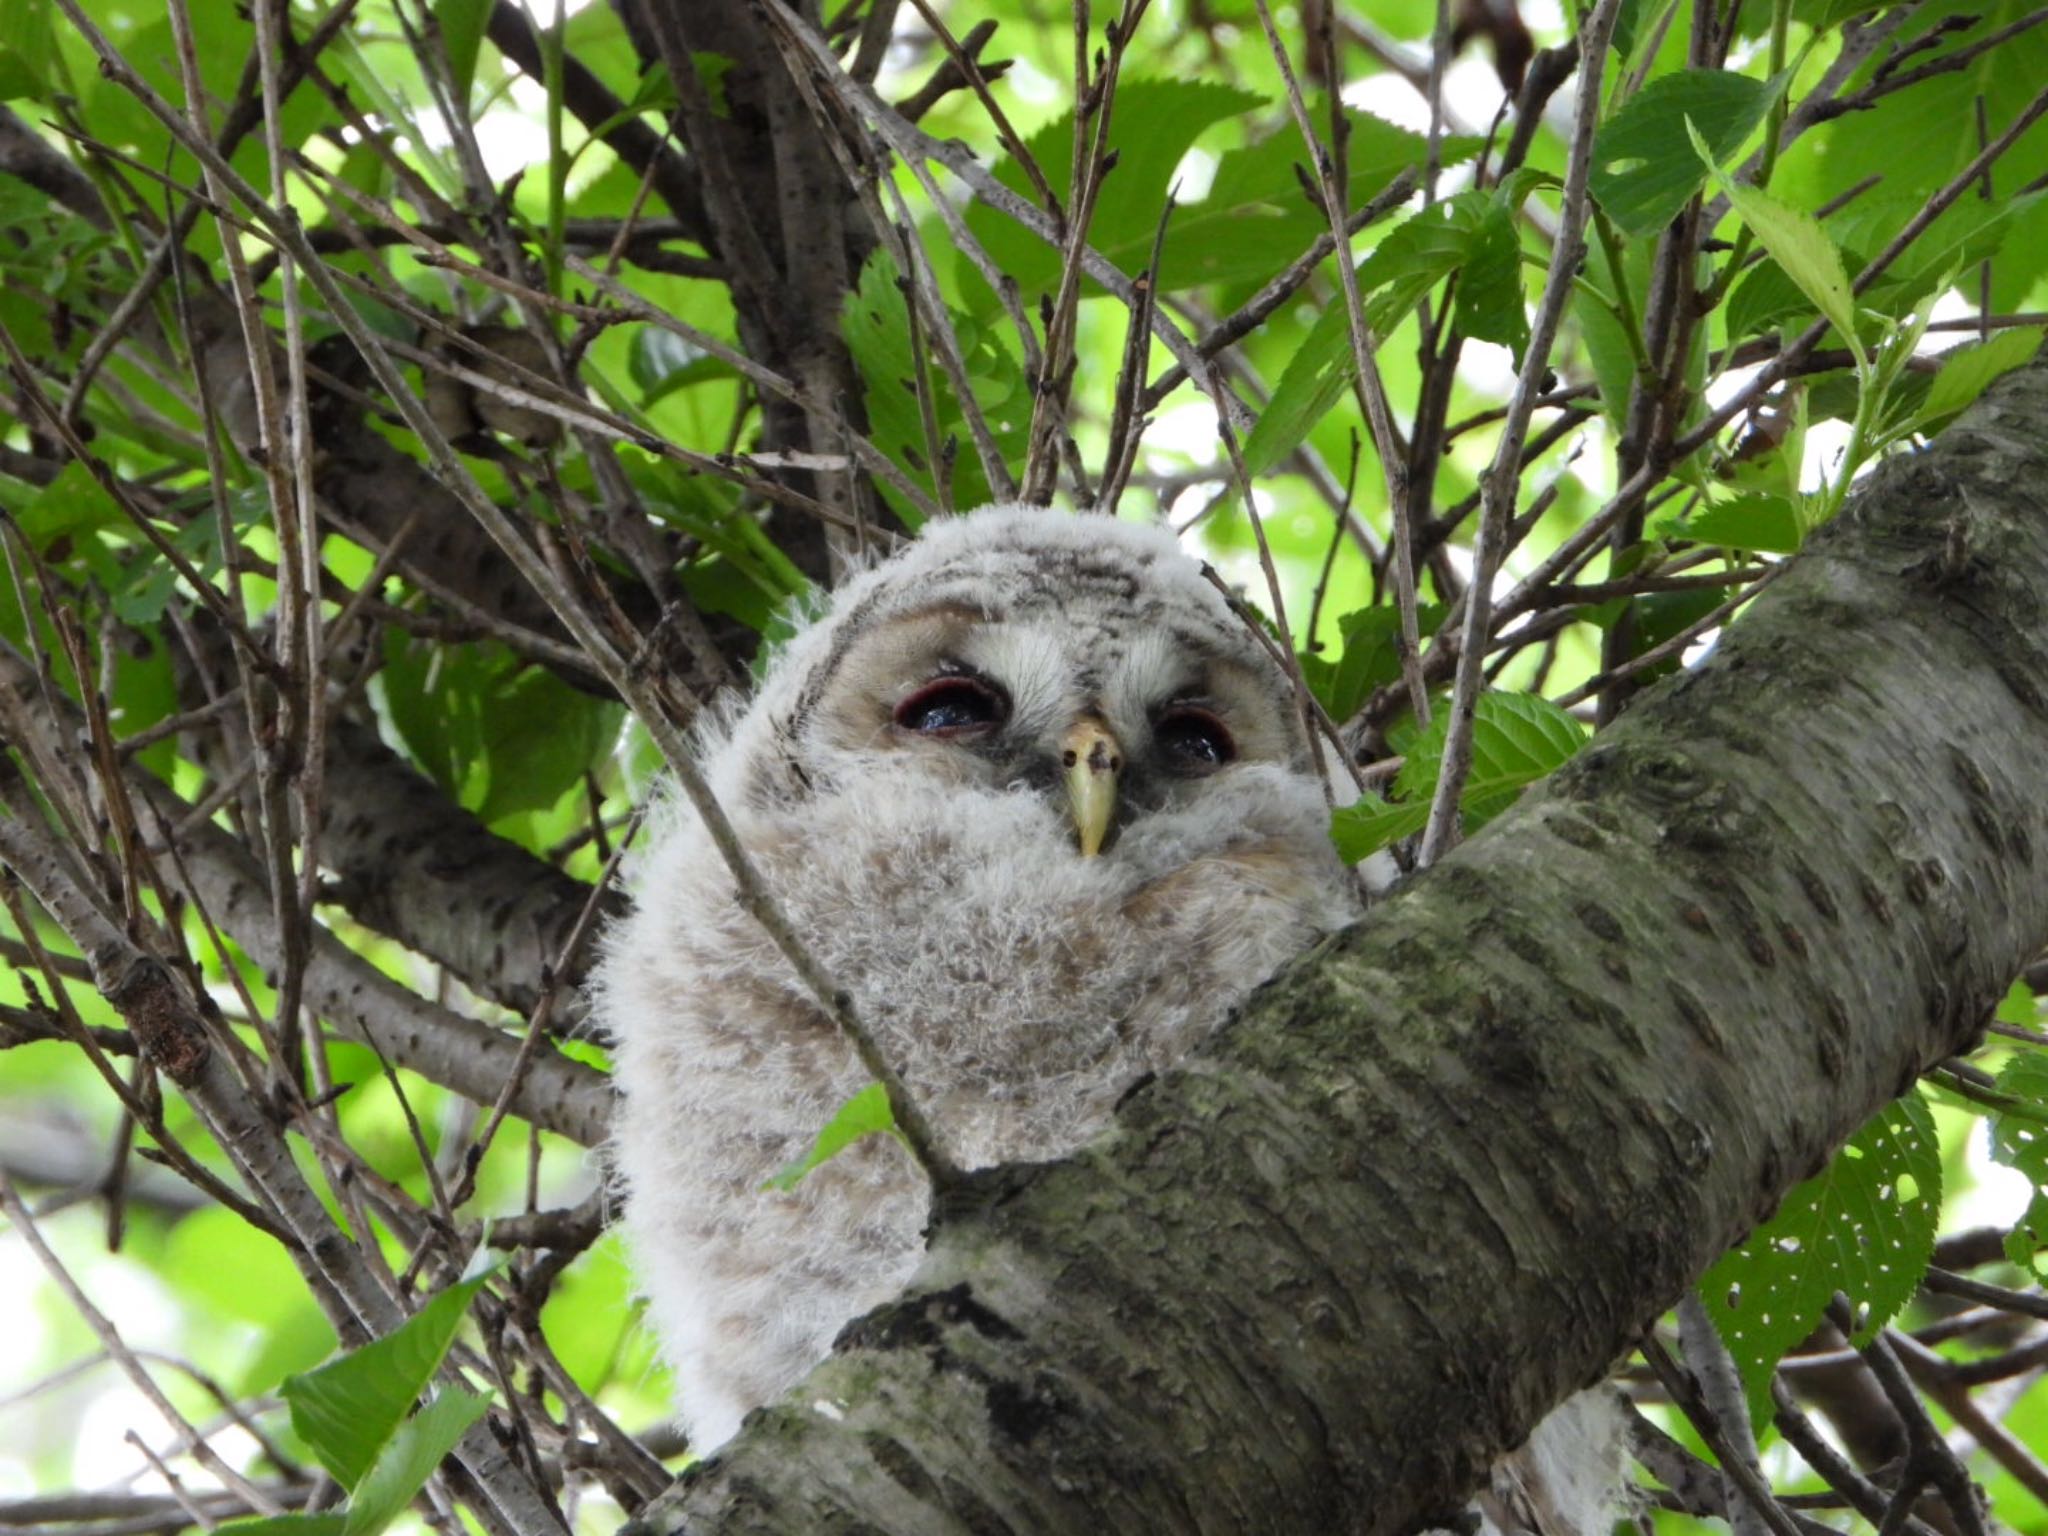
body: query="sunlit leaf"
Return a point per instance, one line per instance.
(1968, 371)
(1863, 1226)
(2019, 1140)
(348, 1410)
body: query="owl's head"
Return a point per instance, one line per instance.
(1016, 647)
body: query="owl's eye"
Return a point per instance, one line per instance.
(952, 706)
(1193, 740)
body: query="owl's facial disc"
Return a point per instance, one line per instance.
(1090, 760)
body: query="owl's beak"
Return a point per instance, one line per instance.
(1091, 758)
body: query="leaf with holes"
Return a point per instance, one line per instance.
(1863, 1226)
(1644, 168)
(2019, 1140)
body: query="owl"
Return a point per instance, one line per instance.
(1043, 805)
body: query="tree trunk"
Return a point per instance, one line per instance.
(1445, 1168)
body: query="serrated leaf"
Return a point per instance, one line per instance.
(1517, 738)
(865, 1114)
(2019, 1140)
(876, 326)
(409, 1459)
(1802, 249)
(1644, 168)
(1767, 524)
(1863, 1226)
(1968, 371)
(349, 1410)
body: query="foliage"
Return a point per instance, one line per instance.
(613, 360)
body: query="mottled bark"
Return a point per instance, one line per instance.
(1442, 1170)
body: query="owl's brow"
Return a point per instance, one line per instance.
(859, 626)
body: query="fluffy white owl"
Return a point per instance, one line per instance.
(1039, 801)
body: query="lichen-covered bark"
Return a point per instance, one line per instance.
(1437, 1174)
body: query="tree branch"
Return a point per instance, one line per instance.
(1437, 1174)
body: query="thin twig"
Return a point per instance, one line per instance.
(1502, 479)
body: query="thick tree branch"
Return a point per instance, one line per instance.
(413, 864)
(1442, 1170)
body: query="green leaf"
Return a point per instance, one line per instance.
(72, 503)
(876, 325)
(1517, 738)
(1767, 524)
(1255, 219)
(1801, 248)
(409, 1459)
(865, 1114)
(1863, 1226)
(661, 362)
(349, 1410)
(1608, 346)
(28, 47)
(286, 1525)
(1968, 371)
(1370, 658)
(1797, 243)
(1412, 259)
(2019, 1140)
(1644, 168)
(1155, 123)
(462, 35)
(1490, 304)
(539, 737)
(2017, 1006)
(1370, 823)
